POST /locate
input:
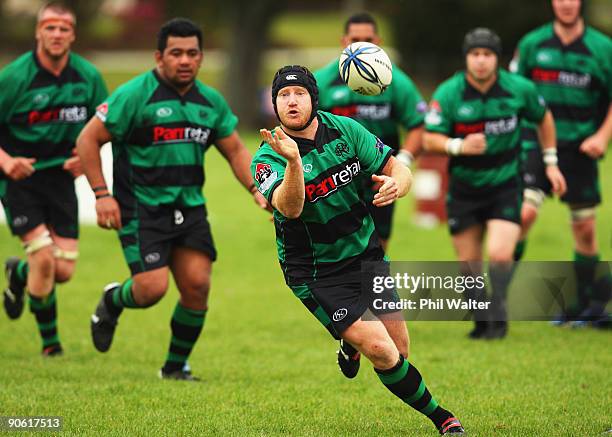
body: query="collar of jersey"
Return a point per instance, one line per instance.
(193, 95)
(472, 93)
(323, 136)
(64, 75)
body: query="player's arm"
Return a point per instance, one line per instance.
(472, 144)
(595, 145)
(548, 140)
(412, 146)
(93, 136)
(396, 180)
(288, 198)
(239, 159)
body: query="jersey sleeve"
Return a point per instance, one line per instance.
(268, 170)
(227, 121)
(535, 105)
(408, 103)
(118, 111)
(438, 118)
(8, 96)
(371, 151)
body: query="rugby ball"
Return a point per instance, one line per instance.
(365, 68)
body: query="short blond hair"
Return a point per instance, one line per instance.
(57, 7)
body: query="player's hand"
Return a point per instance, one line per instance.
(261, 201)
(109, 215)
(281, 143)
(474, 144)
(73, 165)
(388, 191)
(18, 168)
(594, 146)
(556, 179)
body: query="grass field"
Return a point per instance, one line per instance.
(268, 368)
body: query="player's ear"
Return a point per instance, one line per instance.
(158, 57)
(344, 41)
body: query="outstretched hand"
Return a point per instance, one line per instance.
(281, 143)
(388, 191)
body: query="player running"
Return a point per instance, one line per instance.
(161, 123)
(401, 105)
(571, 65)
(309, 169)
(47, 96)
(474, 117)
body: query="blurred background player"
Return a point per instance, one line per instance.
(571, 65)
(324, 231)
(474, 117)
(47, 96)
(161, 123)
(399, 106)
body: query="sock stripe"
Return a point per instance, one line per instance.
(47, 326)
(181, 343)
(45, 313)
(22, 271)
(184, 317)
(176, 358)
(126, 296)
(186, 326)
(394, 375)
(417, 395)
(431, 406)
(180, 350)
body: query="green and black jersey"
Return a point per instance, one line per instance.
(41, 114)
(575, 80)
(335, 231)
(458, 109)
(159, 139)
(400, 105)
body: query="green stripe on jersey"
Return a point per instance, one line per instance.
(42, 114)
(458, 109)
(574, 79)
(335, 231)
(160, 137)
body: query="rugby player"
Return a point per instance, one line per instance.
(48, 95)
(161, 123)
(474, 117)
(400, 106)
(571, 65)
(309, 169)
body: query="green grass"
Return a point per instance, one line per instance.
(268, 368)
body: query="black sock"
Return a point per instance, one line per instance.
(45, 312)
(584, 266)
(500, 274)
(405, 382)
(186, 327)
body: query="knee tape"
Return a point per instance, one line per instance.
(40, 242)
(68, 255)
(534, 197)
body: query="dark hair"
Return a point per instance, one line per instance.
(360, 18)
(58, 7)
(181, 27)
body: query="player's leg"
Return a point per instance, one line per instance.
(39, 272)
(141, 290)
(536, 187)
(468, 247)
(398, 331)
(502, 236)
(533, 198)
(400, 377)
(66, 252)
(593, 293)
(191, 270)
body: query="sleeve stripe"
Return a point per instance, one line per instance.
(384, 162)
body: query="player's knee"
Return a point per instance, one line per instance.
(43, 261)
(501, 256)
(149, 290)
(63, 271)
(382, 353)
(529, 214)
